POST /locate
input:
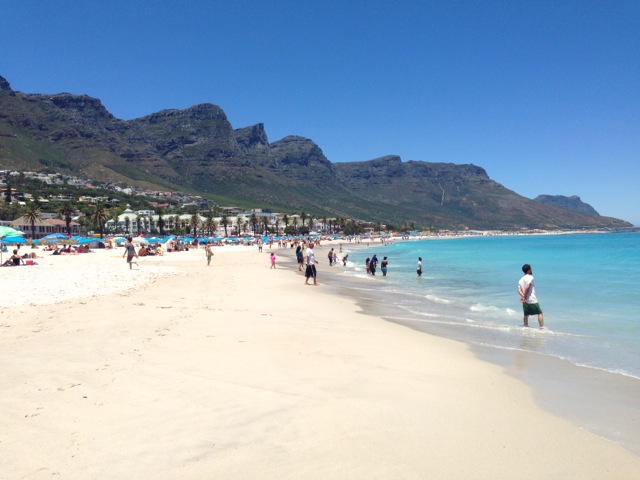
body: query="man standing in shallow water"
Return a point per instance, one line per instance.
(528, 298)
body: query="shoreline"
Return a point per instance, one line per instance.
(547, 376)
(241, 371)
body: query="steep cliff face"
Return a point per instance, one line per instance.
(573, 203)
(192, 141)
(300, 159)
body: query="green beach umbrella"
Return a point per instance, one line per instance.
(9, 232)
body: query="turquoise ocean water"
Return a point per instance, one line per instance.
(587, 284)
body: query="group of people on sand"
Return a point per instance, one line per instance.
(16, 259)
(146, 250)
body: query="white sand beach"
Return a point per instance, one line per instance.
(235, 371)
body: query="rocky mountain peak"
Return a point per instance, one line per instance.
(252, 137)
(4, 86)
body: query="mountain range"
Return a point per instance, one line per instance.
(197, 150)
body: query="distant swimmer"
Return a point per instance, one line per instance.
(419, 267)
(383, 266)
(527, 292)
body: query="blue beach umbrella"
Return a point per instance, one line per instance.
(55, 236)
(14, 239)
(85, 240)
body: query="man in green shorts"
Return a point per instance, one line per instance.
(528, 298)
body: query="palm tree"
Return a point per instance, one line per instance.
(115, 220)
(294, 222)
(100, 216)
(311, 223)
(194, 222)
(265, 224)
(138, 222)
(160, 212)
(32, 215)
(210, 223)
(225, 223)
(212, 226)
(238, 224)
(176, 223)
(253, 220)
(66, 212)
(303, 217)
(324, 224)
(285, 220)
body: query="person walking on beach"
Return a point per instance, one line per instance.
(273, 260)
(299, 257)
(130, 252)
(383, 266)
(527, 292)
(330, 256)
(311, 266)
(209, 253)
(419, 267)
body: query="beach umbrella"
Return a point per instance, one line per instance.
(187, 239)
(85, 240)
(9, 232)
(14, 239)
(55, 236)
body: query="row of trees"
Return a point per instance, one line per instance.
(196, 224)
(95, 217)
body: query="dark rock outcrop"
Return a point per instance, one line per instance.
(573, 203)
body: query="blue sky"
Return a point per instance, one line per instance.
(545, 95)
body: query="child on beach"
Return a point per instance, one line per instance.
(273, 260)
(130, 252)
(209, 253)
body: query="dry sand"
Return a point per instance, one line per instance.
(235, 371)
